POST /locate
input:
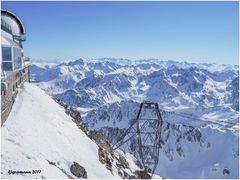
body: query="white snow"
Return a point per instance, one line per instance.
(38, 130)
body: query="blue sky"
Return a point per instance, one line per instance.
(183, 31)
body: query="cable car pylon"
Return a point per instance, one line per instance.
(142, 137)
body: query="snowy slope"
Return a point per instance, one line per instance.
(38, 131)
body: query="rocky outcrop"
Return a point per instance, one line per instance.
(226, 171)
(142, 175)
(78, 171)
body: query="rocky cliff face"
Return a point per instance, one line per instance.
(233, 95)
(107, 155)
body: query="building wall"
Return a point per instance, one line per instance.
(14, 81)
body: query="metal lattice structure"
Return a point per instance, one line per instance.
(142, 138)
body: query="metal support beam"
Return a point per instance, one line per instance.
(143, 136)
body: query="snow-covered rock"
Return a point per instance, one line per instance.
(171, 83)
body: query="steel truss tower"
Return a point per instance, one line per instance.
(142, 137)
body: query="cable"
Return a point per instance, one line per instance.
(193, 117)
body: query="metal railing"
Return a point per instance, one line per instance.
(9, 89)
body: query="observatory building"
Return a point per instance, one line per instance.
(12, 36)
(14, 66)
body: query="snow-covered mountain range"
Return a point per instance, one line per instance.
(199, 104)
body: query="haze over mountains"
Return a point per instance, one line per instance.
(107, 92)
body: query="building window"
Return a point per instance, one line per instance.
(7, 59)
(6, 54)
(7, 66)
(17, 63)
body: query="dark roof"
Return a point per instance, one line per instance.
(16, 18)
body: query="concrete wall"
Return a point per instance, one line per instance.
(14, 81)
